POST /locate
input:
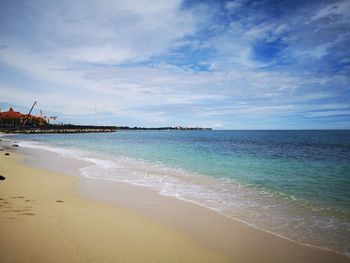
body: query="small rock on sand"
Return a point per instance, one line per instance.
(15, 145)
(2, 177)
(7, 154)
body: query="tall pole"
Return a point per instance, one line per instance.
(95, 109)
(26, 119)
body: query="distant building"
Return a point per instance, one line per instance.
(15, 118)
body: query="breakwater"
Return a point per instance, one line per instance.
(70, 128)
(66, 128)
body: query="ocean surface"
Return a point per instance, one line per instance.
(295, 184)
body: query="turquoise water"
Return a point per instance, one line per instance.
(293, 183)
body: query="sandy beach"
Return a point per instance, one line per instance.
(44, 220)
(50, 215)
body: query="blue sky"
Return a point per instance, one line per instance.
(222, 64)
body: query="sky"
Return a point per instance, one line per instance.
(239, 64)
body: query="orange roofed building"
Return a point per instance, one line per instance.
(12, 117)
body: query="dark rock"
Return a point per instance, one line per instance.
(15, 145)
(1, 150)
(7, 154)
(2, 178)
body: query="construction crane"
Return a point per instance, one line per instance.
(26, 118)
(51, 117)
(46, 118)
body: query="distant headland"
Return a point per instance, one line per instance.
(16, 122)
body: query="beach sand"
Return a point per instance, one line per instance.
(46, 216)
(42, 219)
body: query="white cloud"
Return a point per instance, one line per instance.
(104, 54)
(233, 5)
(336, 11)
(327, 113)
(106, 31)
(121, 90)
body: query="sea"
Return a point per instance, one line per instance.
(294, 184)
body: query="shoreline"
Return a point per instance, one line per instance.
(156, 208)
(43, 219)
(52, 161)
(60, 153)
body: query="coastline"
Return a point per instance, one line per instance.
(218, 235)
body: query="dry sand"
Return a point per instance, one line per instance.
(118, 222)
